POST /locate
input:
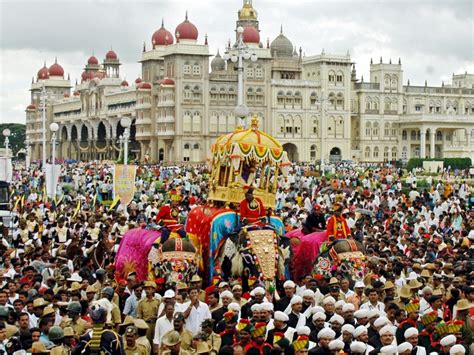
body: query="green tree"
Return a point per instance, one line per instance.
(17, 137)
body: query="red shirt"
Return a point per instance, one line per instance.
(337, 227)
(252, 211)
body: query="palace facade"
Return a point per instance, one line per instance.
(315, 105)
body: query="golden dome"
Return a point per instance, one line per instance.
(247, 12)
(249, 142)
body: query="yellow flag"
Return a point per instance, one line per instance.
(78, 207)
(22, 201)
(94, 199)
(114, 202)
(16, 203)
(45, 195)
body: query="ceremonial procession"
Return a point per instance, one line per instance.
(254, 236)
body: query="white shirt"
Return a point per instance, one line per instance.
(163, 325)
(369, 306)
(196, 316)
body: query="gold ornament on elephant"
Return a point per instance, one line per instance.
(263, 246)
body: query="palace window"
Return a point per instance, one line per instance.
(187, 69)
(196, 69)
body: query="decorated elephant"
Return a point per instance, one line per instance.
(345, 257)
(257, 253)
(174, 260)
(226, 253)
(142, 251)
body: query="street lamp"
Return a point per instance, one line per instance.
(28, 153)
(43, 102)
(237, 55)
(53, 127)
(6, 133)
(125, 122)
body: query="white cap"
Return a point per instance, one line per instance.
(358, 347)
(361, 313)
(373, 313)
(389, 350)
(281, 316)
(256, 307)
(326, 333)
(388, 329)
(258, 291)
(289, 283)
(296, 299)
(380, 322)
(317, 309)
(406, 346)
(304, 330)
(348, 328)
(267, 306)
(359, 284)
(336, 344)
(457, 349)
(336, 318)
(339, 303)
(169, 294)
(412, 331)
(233, 307)
(361, 329)
(227, 294)
(348, 307)
(319, 315)
(308, 293)
(328, 300)
(448, 340)
(222, 284)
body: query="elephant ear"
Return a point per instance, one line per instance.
(237, 265)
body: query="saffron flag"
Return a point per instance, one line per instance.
(114, 202)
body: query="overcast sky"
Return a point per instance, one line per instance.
(433, 38)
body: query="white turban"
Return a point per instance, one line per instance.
(388, 329)
(412, 331)
(295, 300)
(348, 328)
(281, 316)
(337, 318)
(361, 329)
(406, 346)
(326, 333)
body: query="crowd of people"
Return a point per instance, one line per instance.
(416, 295)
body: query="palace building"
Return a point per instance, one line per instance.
(185, 98)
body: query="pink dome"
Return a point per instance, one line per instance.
(162, 37)
(66, 94)
(144, 86)
(124, 83)
(167, 81)
(111, 55)
(186, 30)
(31, 107)
(77, 93)
(56, 70)
(87, 75)
(43, 73)
(138, 80)
(250, 35)
(92, 60)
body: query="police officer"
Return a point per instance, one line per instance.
(56, 336)
(74, 320)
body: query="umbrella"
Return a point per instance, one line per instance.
(364, 212)
(326, 189)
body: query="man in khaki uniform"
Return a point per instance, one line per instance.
(131, 346)
(108, 293)
(172, 344)
(185, 336)
(74, 320)
(213, 340)
(56, 335)
(142, 331)
(147, 308)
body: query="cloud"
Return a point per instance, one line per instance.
(433, 38)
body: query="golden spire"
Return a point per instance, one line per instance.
(247, 12)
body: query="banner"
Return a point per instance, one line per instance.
(124, 182)
(52, 179)
(6, 169)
